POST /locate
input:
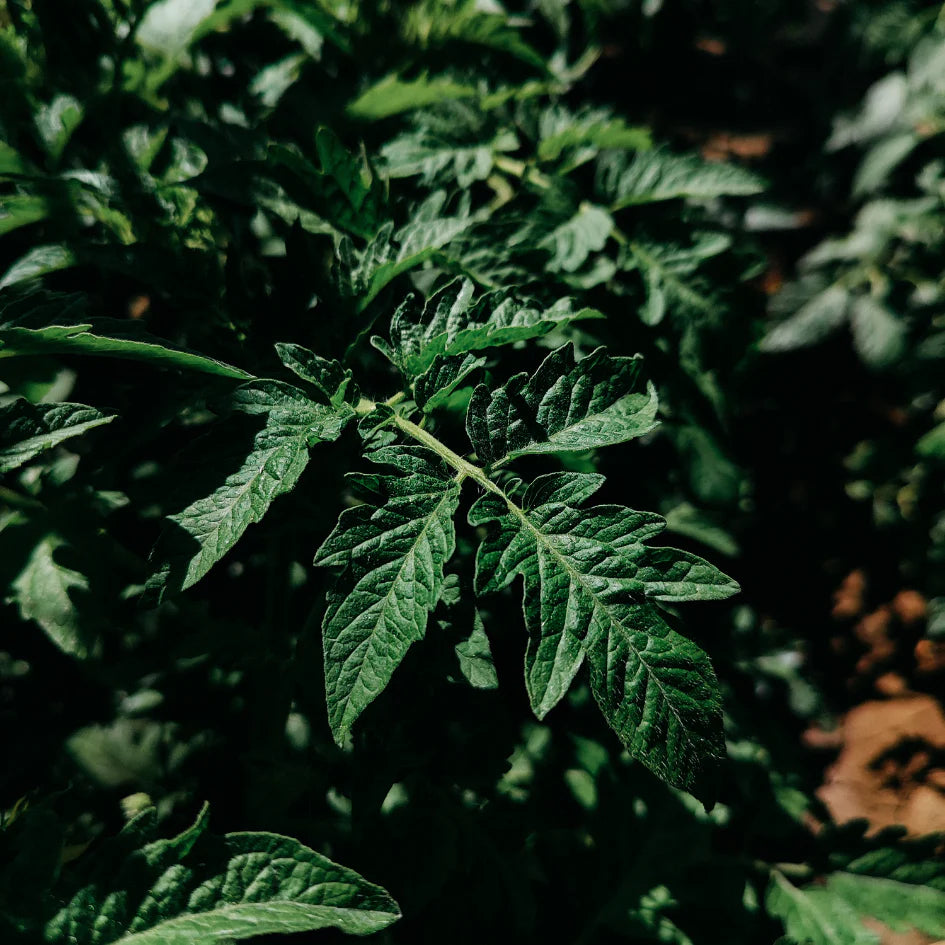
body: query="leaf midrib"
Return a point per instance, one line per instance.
(385, 600)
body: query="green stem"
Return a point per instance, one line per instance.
(462, 466)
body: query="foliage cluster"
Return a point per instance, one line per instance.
(341, 342)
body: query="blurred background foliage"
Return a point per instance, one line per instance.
(162, 173)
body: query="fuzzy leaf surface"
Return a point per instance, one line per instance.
(393, 549)
(29, 429)
(452, 322)
(587, 575)
(196, 889)
(565, 405)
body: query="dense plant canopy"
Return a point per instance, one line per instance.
(382, 383)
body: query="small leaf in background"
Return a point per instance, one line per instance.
(653, 176)
(50, 593)
(26, 429)
(878, 335)
(475, 657)
(168, 26)
(573, 241)
(392, 95)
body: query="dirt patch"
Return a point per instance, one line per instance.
(891, 767)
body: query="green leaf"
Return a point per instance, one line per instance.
(587, 133)
(437, 383)
(80, 339)
(434, 24)
(393, 95)
(900, 904)
(208, 528)
(393, 549)
(932, 444)
(573, 241)
(820, 315)
(169, 26)
(331, 378)
(435, 158)
(475, 657)
(342, 189)
(57, 121)
(903, 886)
(197, 889)
(815, 915)
(587, 574)
(37, 262)
(565, 405)
(878, 335)
(451, 322)
(18, 210)
(43, 591)
(11, 161)
(657, 175)
(29, 429)
(670, 274)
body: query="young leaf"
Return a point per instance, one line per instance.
(331, 378)
(206, 530)
(80, 339)
(586, 576)
(565, 405)
(452, 323)
(195, 890)
(435, 385)
(28, 429)
(657, 175)
(393, 549)
(475, 657)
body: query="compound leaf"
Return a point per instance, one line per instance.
(28, 429)
(587, 575)
(196, 889)
(565, 405)
(393, 549)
